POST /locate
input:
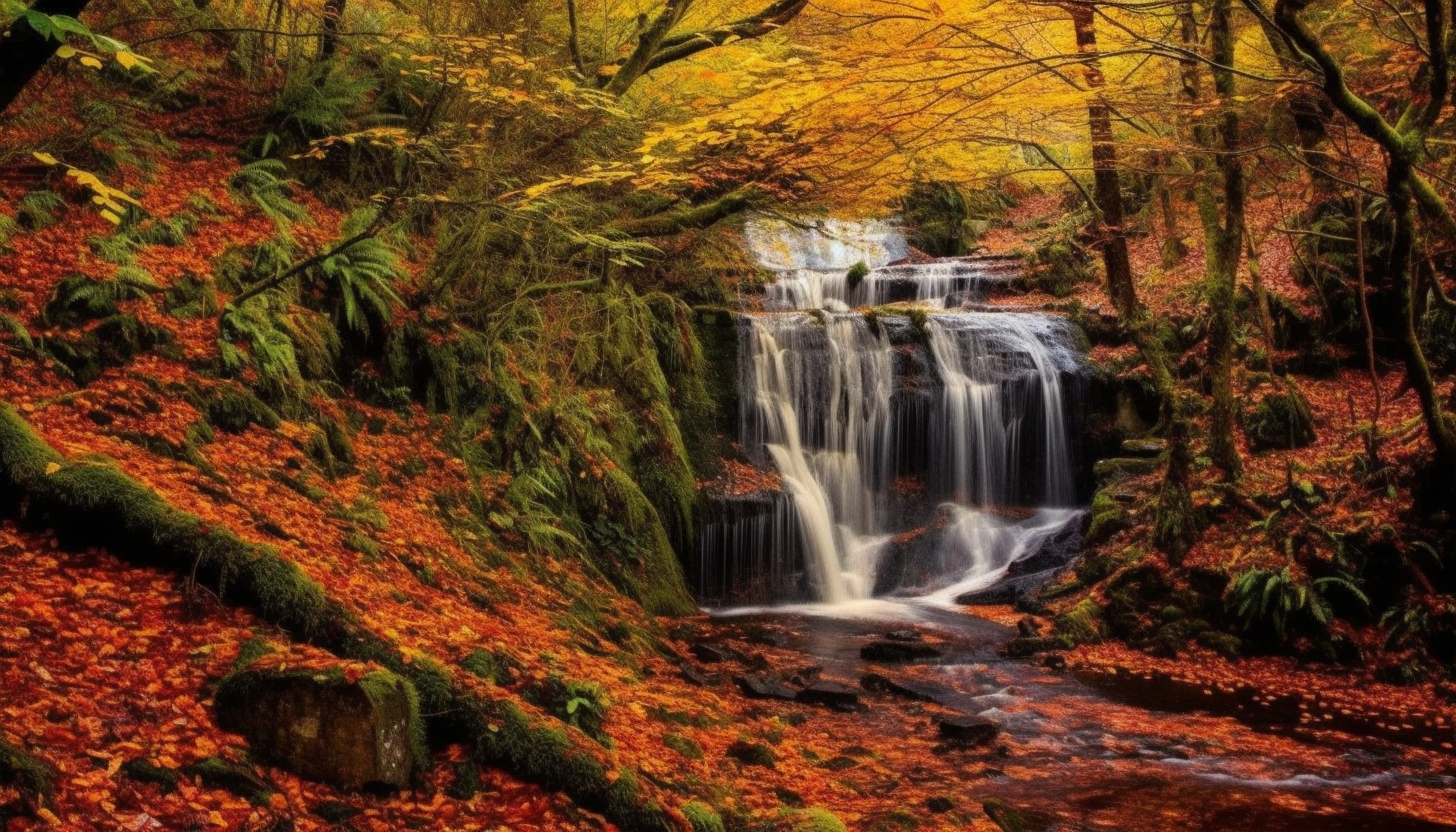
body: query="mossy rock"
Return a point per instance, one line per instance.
(1108, 517)
(702, 817)
(112, 343)
(816, 819)
(92, 503)
(142, 770)
(323, 727)
(1128, 466)
(32, 777)
(1281, 421)
(1081, 623)
(235, 409)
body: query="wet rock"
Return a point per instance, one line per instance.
(1147, 448)
(712, 653)
(697, 677)
(807, 675)
(903, 635)
(1054, 661)
(830, 695)
(764, 687)
(323, 727)
(940, 805)
(1028, 627)
(895, 652)
(1020, 648)
(1126, 466)
(904, 688)
(968, 731)
(992, 596)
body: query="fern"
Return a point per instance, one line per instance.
(1277, 602)
(270, 352)
(38, 209)
(360, 279)
(266, 185)
(80, 298)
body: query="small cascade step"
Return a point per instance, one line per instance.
(915, 451)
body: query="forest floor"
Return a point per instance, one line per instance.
(109, 665)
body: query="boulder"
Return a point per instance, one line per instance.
(322, 726)
(712, 653)
(1146, 448)
(831, 695)
(764, 687)
(905, 688)
(1124, 466)
(969, 731)
(892, 652)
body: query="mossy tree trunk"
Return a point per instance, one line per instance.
(1404, 144)
(1224, 237)
(1174, 524)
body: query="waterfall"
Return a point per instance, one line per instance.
(917, 452)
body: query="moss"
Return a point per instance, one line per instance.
(1006, 816)
(752, 754)
(237, 778)
(94, 503)
(234, 410)
(684, 746)
(1227, 645)
(491, 666)
(702, 818)
(29, 774)
(1281, 420)
(335, 812)
(252, 650)
(896, 821)
(1108, 518)
(1082, 622)
(380, 687)
(856, 275)
(142, 771)
(91, 502)
(816, 819)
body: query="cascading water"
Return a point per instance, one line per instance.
(908, 445)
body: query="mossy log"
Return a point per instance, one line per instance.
(89, 502)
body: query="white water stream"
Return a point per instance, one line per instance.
(962, 411)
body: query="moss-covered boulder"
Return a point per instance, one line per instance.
(1281, 420)
(325, 727)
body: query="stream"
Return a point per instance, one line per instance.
(927, 451)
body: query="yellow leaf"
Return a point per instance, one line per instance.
(52, 467)
(129, 60)
(91, 61)
(65, 52)
(45, 158)
(111, 216)
(48, 816)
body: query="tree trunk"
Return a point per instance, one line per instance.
(26, 50)
(1174, 525)
(333, 16)
(1225, 247)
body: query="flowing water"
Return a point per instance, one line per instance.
(922, 448)
(927, 450)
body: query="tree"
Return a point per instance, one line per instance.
(1224, 238)
(658, 45)
(30, 39)
(1404, 145)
